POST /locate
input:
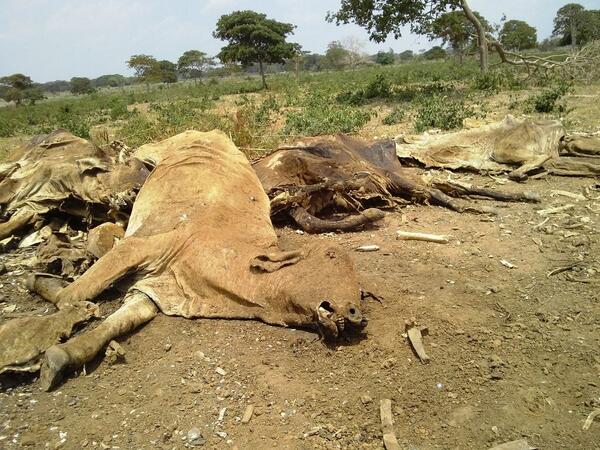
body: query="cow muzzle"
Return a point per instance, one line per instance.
(333, 321)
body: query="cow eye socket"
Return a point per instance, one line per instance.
(327, 306)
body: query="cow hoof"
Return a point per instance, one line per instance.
(56, 360)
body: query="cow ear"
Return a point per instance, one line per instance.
(271, 262)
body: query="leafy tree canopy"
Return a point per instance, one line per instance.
(145, 67)
(456, 30)
(336, 56)
(194, 63)
(383, 17)
(576, 25)
(19, 87)
(81, 85)
(253, 38)
(518, 35)
(436, 52)
(167, 71)
(385, 58)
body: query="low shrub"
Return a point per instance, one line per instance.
(441, 112)
(323, 116)
(394, 117)
(548, 100)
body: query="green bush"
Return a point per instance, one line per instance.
(441, 112)
(323, 116)
(378, 87)
(548, 100)
(495, 81)
(394, 117)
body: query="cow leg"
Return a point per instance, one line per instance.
(46, 287)
(457, 188)
(18, 220)
(312, 224)
(571, 167)
(536, 162)
(137, 310)
(121, 260)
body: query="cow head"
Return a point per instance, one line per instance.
(316, 287)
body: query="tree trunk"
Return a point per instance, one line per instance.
(262, 75)
(573, 34)
(483, 48)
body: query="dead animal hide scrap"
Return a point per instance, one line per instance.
(62, 173)
(517, 146)
(341, 174)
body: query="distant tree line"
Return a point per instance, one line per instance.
(258, 44)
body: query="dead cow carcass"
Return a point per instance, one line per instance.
(200, 243)
(324, 175)
(62, 173)
(516, 145)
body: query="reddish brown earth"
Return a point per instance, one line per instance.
(514, 352)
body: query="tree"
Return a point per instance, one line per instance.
(254, 38)
(566, 22)
(518, 35)
(34, 94)
(436, 52)
(56, 86)
(576, 25)
(589, 26)
(336, 56)
(354, 48)
(193, 64)
(112, 80)
(385, 58)
(81, 85)
(167, 71)
(406, 55)
(384, 17)
(455, 30)
(13, 88)
(145, 67)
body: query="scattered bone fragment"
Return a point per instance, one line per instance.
(556, 210)
(555, 192)
(247, 416)
(387, 425)
(367, 248)
(507, 264)
(410, 236)
(590, 418)
(415, 336)
(519, 444)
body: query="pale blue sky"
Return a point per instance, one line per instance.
(59, 39)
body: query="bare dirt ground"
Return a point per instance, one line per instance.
(514, 351)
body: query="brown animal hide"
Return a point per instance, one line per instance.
(200, 243)
(516, 145)
(60, 172)
(325, 175)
